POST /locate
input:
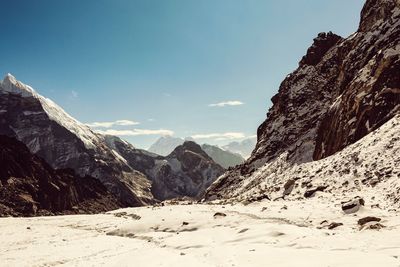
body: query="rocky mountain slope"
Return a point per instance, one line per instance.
(343, 89)
(224, 158)
(29, 186)
(166, 144)
(187, 171)
(131, 174)
(369, 167)
(49, 132)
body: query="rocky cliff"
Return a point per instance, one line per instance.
(29, 186)
(63, 142)
(343, 89)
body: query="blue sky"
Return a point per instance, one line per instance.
(162, 64)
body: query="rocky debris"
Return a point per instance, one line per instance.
(330, 226)
(219, 215)
(368, 219)
(258, 197)
(29, 186)
(353, 205)
(311, 192)
(127, 215)
(288, 187)
(375, 206)
(333, 225)
(342, 90)
(372, 226)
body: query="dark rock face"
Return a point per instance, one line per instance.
(321, 45)
(375, 10)
(63, 142)
(29, 186)
(187, 171)
(342, 90)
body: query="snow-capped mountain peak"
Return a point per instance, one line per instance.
(11, 85)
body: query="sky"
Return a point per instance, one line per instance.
(141, 69)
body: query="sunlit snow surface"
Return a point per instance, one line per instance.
(247, 236)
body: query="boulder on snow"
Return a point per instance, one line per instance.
(368, 219)
(311, 192)
(333, 225)
(353, 205)
(219, 215)
(288, 187)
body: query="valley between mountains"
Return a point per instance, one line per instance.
(319, 186)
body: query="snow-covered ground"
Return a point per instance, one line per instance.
(279, 233)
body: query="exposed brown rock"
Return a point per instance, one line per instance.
(368, 219)
(29, 186)
(311, 192)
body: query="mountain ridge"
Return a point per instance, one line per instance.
(343, 89)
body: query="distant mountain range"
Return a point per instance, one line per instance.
(186, 171)
(244, 147)
(165, 145)
(135, 177)
(224, 157)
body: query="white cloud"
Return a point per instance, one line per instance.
(109, 124)
(136, 132)
(220, 136)
(227, 103)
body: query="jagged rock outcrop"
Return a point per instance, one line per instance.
(29, 186)
(343, 89)
(187, 171)
(49, 132)
(368, 92)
